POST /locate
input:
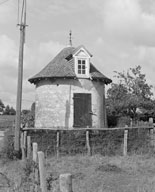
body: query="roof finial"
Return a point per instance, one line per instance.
(70, 38)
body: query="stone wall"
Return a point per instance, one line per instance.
(54, 102)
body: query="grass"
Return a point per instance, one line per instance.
(107, 174)
(98, 173)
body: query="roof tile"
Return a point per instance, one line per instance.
(60, 67)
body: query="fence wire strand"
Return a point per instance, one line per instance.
(101, 142)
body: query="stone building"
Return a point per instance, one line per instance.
(70, 91)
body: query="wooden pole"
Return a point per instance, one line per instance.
(131, 122)
(152, 137)
(22, 146)
(58, 143)
(19, 89)
(42, 172)
(150, 121)
(88, 143)
(25, 139)
(28, 147)
(125, 142)
(65, 182)
(35, 150)
(35, 159)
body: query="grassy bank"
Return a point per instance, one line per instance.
(115, 174)
(135, 173)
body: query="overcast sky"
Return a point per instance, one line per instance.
(119, 33)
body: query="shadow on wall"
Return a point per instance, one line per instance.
(67, 115)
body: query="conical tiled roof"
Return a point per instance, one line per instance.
(62, 66)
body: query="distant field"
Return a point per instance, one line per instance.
(6, 121)
(94, 174)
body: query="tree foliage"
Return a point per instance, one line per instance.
(9, 110)
(28, 117)
(131, 94)
(1, 106)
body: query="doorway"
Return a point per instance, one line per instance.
(82, 110)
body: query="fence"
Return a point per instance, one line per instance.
(38, 145)
(105, 141)
(39, 173)
(65, 180)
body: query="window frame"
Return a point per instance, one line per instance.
(85, 57)
(81, 67)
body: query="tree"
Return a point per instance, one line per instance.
(28, 116)
(9, 110)
(12, 111)
(1, 106)
(135, 82)
(116, 99)
(132, 93)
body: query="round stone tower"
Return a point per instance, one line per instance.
(70, 92)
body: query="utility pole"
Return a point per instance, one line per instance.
(22, 27)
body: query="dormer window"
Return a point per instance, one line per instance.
(82, 62)
(81, 66)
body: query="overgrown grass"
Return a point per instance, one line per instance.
(97, 173)
(106, 170)
(102, 142)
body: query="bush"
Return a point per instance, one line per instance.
(8, 148)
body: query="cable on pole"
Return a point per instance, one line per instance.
(18, 14)
(22, 13)
(1, 3)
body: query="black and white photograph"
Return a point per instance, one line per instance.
(77, 96)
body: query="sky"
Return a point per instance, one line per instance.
(119, 33)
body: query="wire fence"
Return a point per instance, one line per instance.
(86, 141)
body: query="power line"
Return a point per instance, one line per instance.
(4, 2)
(22, 13)
(18, 14)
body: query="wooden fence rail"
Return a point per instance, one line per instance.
(65, 180)
(30, 151)
(26, 140)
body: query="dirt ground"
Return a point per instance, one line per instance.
(134, 173)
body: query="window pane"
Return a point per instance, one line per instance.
(83, 61)
(83, 71)
(83, 66)
(79, 61)
(79, 71)
(79, 66)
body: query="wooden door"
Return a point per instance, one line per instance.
(82, 110)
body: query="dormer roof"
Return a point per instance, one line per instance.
(63, 66)
(79, 48)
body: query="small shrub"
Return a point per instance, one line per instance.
(28, 167)
(109, 168)
(50, 179)
(8, 148)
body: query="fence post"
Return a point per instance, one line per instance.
(22, 146)
(151, 121)
(65, 181)
(88, 143)
(58, 143)
(28, 147)
(125, 142)
(35, 159)
(25, 138)
(152, 136)
(35, 150)
(42, 172)
(131, 122)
